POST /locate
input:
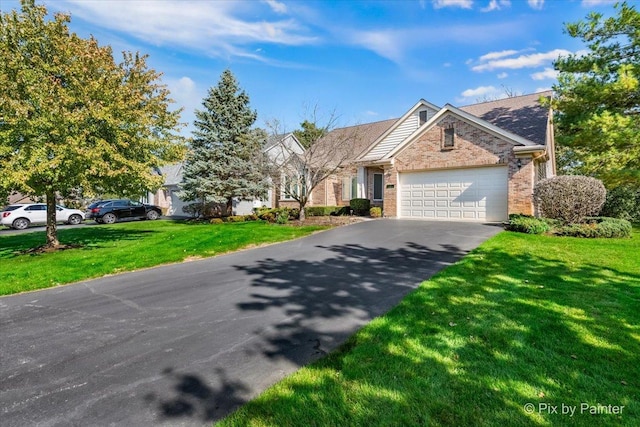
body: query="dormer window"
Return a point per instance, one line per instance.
(423, 117)
(448, 137)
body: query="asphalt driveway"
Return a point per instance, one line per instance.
(186, 344)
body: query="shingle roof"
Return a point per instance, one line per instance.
(362, 135)
(521, 115)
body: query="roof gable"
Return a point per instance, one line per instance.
(469, 118)
(402, 129)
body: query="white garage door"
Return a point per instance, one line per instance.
(478, 194)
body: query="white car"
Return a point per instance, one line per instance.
(20, 216)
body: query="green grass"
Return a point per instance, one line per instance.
(522, 319)
(125, 247)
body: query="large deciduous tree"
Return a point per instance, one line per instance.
(598, 98)
(224, 160)
(72, 118)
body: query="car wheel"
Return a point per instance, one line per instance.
(74, 219)
(109, 218)
(152, 215)
(20, 223)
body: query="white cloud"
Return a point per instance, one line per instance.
(548, 73)
(503, 75)
(536, 4)
(479, 91)
(592, 3)
(213, 27)
(497, 55)
(447, 64)
(370, 113)
(277, 6)
(396, 44)
(523, 61)
(496, 5)
(542, 89)
(464, 4)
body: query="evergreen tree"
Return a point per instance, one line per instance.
(224, 161)
(598, 99)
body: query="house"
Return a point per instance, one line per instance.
(278, 148)
(474, 163)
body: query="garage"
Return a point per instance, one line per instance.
(477, 194)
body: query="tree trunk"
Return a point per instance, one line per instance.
(230, 206)
(301, 216)
(52, 230)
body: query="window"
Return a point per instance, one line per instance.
(423, 117)
(377, 186)
(448, 137)
(541, 171)
(36, 208)
(292, 187)
(349, 188)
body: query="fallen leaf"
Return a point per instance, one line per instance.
(623, 382)
(452, 324)
(573, 356)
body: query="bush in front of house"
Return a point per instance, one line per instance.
(321, 210)
(622, 202)
(209, 210)
(360, 207)
(604, 227)
(272, 215)
(527, 224)
(375, 212)
(569, 198)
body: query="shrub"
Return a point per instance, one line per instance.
(251, 217)
(375, 212)
(360, 206)
(597, 227)
(569, 198)
(216, 221)
(343, 211)
(267, 216)
(282, 218)
(622, 202)
(209, 210)
(321, 210)
(234, 218)
(527, 224)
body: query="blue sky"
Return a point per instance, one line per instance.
(364, 60)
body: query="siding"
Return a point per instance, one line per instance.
(399, 134)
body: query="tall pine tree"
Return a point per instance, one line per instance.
(224, 158)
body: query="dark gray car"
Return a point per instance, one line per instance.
(110, 211)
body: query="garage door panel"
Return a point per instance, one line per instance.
(460, 194)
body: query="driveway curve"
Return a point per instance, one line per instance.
(186, 344)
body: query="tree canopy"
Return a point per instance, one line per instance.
(598, 98)
(224, 160)
(309, 133)
(72, 118)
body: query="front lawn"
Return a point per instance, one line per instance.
(518, 332)
(125, 247)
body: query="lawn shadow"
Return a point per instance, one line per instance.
(86, 238)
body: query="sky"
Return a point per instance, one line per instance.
(355, 61)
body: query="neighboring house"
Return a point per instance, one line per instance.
(277, 148)
(474, 163)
